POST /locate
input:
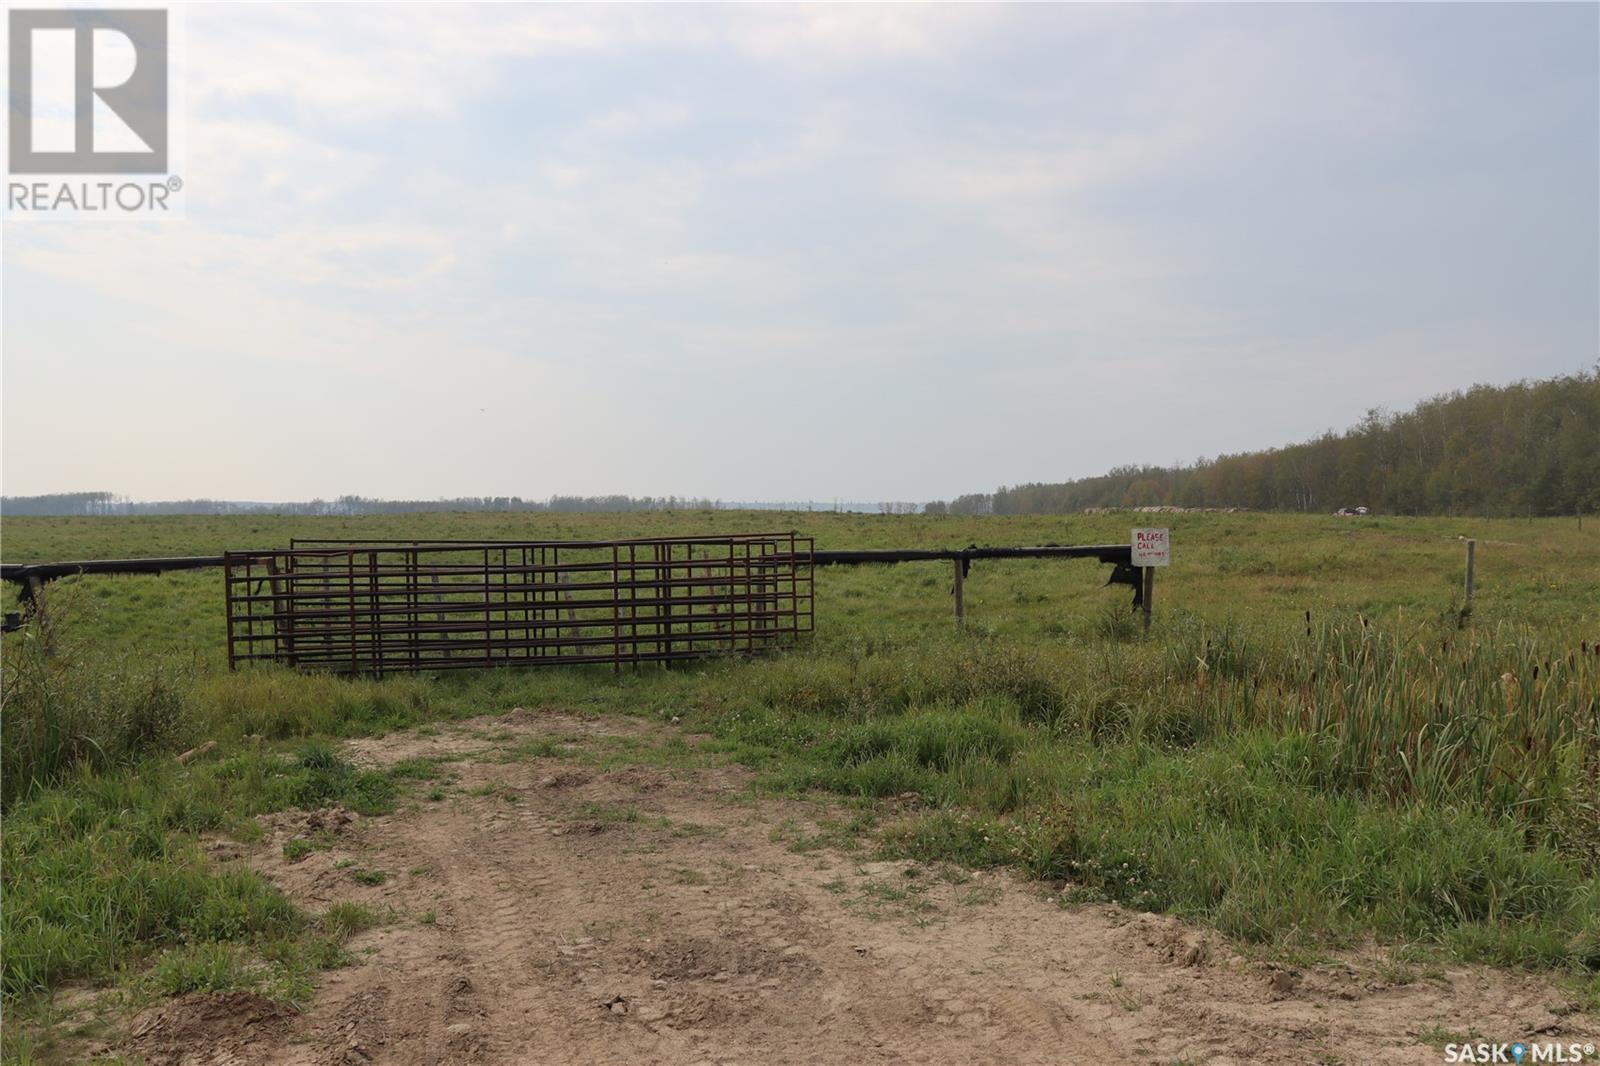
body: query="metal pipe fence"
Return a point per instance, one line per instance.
(374, 608)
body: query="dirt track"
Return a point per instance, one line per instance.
(570, 914)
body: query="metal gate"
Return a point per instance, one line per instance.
(375, 607)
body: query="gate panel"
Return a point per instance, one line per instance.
(378, 607)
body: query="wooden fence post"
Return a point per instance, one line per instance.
(36, 598)
(1471, 551)
(960, 594)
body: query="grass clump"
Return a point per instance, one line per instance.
(283, 968)
(344, 919)
(69, 710)
(298, 848)
(104, 868)
(205, 967)
(319, 777)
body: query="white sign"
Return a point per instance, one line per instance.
(1151, 547)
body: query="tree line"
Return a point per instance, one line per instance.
(106, 503)
(1531, 447)
(77, 504)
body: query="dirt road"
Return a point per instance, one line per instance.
(600, 909)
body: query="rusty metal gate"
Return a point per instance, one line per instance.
(375, 607)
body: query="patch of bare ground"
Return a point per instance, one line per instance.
(224, 1029)
(553, 912)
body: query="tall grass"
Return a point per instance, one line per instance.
(66, 709)
(57, 713)
(1504, 719)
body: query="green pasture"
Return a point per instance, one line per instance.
(1269, 569)
(1316, 748)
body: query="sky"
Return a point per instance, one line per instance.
(815, 252)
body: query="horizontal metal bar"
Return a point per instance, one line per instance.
(21, 572)
(309, 650)
(363, 590)
(1105, 553)
(395, 542)
(533, 660)
(308, 633)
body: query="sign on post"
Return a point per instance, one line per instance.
(1151, 547)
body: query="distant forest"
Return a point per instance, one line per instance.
(73, 504)
(1532, 447)
(106, 503)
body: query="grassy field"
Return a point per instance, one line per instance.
(1315, 749)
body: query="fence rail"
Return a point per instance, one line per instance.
(20, 573)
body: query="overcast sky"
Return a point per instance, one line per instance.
(778, 253)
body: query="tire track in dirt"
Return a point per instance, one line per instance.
(639, 915)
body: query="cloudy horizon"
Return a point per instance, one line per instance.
(763, 253)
